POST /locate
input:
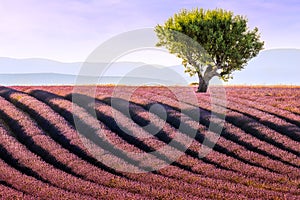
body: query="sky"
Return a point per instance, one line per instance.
(69, 30)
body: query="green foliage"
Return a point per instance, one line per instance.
(210, 42)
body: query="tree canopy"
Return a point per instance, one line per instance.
(210, 42)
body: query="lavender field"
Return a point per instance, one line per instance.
(43, 155)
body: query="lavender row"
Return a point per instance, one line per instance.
(269, 162)
(104, 109)
(174, 172)
(138, 111)
(33, 186)
(279, 153)
(187, 188)
(248, 108)
(44, 170)
(10, 193)
(163, 182)
(283, 114)
(286, 99)
(208, 170)
(289, 146)
(156, 98)
(29, 184)
(140, 99)
(88, 171)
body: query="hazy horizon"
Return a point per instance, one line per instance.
(270, 67)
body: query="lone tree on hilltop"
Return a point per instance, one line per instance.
(209, 42)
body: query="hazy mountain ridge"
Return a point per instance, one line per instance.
(68, 79)
(270, 67)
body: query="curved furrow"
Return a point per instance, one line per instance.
(36, 188)
(90, 127)
(282, 114)
(282, 149)
(126, 131)
(159, 91)
(282, 154)
(246, 156)
(53, 175)
(171, 173)
(108, 114)
(211, 183)
(286, 143)
(189, 160)
(81, 168)
(268, 96)
(189, 171)
(138, 114)
(169, 130)
(271, 121)
(193, 187)
(251, 139)
(7, 157)
(106, 110)
(10, 193)
(286, 99)
(54, 124)
(188, 188)
(19, 179)
(241, 174)
(131, 186)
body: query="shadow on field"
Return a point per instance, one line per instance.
(161, 135)
(109, 122)
(53, 132)
(24, 138)
(175, 122)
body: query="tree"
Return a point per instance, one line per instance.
(209, 42)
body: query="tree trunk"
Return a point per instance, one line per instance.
(209, 73)
(203, 85)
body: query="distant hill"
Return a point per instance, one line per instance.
(36, 65)
(47, 72)
(37, 79)
(67, 79)
(270, 67)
